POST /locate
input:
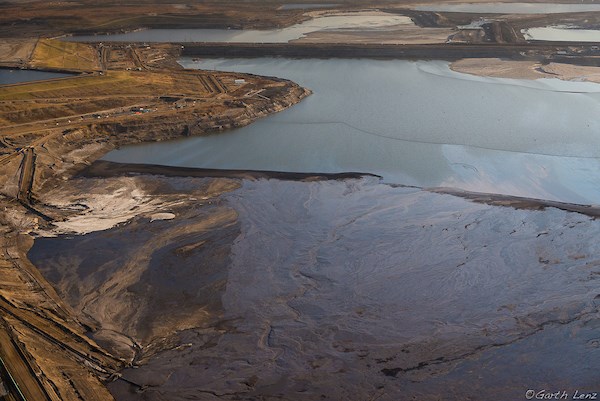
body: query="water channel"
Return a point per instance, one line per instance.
(8, 76)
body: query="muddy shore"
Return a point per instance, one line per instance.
(582, 70)
(220, 288)
(45, 347)
(391, 51)
(105, 169)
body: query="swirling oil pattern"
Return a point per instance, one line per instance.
(358, 290)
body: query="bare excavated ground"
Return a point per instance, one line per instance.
(52, 129)
(16, 51)
(102, 109)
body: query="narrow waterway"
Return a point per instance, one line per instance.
(511, 8)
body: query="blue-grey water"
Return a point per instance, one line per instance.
(511, 8)
(8, 76)
(414, 123)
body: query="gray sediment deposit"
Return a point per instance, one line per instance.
(325, 289)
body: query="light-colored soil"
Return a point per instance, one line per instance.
(573, 72)
(493, 67)
(50, 130)
(16, 51)
(409, 34)
(60, 55)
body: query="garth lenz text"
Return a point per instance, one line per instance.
(560, 395)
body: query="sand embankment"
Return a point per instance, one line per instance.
(526, 69)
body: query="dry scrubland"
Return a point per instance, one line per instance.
(65, 56)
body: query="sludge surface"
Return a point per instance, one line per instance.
(357, 290)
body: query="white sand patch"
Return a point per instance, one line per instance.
(162, 216)
(102, 208)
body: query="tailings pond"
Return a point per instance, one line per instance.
(362, 21)
(562, 34)
(8, 76)
(413, 123)
(336, 290)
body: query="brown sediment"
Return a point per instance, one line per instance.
(517, 202)
(501, 68)
(423, 51)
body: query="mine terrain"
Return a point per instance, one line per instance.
(67, 333)
(50, 130)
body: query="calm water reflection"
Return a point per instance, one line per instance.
(414, 123)
(17, 76)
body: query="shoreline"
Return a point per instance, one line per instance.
(107, 169)
(45, 346)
